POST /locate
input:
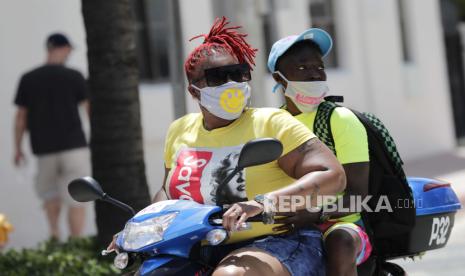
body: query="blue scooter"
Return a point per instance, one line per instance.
(165, 234)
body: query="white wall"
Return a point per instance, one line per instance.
(24, 26)
(157, 114)
(426, 90)
(413, 98)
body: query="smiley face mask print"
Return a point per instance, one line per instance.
(226, 101)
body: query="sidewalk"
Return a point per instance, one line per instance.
(449, 167)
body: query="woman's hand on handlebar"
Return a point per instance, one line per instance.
(239, 212)
(112, 246)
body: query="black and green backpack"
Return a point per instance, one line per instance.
(388, 231)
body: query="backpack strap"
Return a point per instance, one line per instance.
(382, 135)
(322, 124)
(334, 99)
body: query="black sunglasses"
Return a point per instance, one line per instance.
(221, 75)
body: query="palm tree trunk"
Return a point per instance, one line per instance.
(116, 140)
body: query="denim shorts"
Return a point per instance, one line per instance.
(300, 252)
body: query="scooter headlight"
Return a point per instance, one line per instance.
(216, 236)
(139, 234)
(121, 260)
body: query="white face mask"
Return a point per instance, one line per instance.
(306, 95)
(226, 101)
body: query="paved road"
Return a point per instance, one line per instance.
(448, 261)
(24, 210)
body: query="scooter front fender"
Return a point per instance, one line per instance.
(171, 265)
(150, 265)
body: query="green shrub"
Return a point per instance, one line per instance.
(75, 257)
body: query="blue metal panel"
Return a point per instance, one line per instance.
(152, 264)
(434, 201)
(189, 227)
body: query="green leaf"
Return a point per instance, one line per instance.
(78, 256)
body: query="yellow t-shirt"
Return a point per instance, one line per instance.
(350, 140)
(199, 159)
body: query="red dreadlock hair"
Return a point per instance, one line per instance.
(223, 38)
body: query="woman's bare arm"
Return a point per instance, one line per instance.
(316, 169)
(317, 172)
(161, 194)
(20, 129)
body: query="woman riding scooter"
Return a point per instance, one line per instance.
(197, 144)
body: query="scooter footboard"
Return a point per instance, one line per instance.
(169, 265)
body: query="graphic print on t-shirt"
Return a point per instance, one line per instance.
(199, 171)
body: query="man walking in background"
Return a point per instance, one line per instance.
(47, 103)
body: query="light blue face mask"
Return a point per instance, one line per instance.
(226, 101)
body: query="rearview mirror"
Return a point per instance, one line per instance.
(259, 151)
(85, 189)
(255, 152)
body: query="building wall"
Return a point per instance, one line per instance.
(24, 26)
(411, 98)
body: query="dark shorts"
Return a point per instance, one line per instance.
(301, 252)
